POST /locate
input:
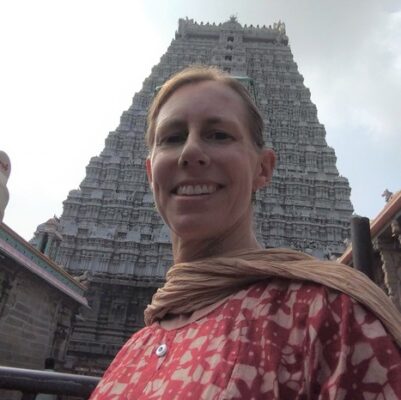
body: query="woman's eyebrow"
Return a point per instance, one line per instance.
(178, 123)
(171, 123)
(214, 120)
(219, 121)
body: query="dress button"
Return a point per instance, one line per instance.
(161, 350)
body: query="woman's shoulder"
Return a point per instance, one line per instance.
(290, 292)
(310, 301)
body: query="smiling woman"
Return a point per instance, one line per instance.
(235, 321)
(201, 132)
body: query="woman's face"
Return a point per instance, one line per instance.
(204, 166)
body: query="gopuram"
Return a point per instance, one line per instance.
(109, 232)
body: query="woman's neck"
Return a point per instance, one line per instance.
(186, 250)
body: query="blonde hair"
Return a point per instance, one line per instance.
(197, 74)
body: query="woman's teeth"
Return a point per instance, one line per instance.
(191, 190)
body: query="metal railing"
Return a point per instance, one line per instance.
(31, 382)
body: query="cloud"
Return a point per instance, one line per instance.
(353, 71)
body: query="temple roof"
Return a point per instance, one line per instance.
(232, 23)
(37, 263)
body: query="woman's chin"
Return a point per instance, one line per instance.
(194, 230)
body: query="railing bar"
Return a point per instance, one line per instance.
(34, 381)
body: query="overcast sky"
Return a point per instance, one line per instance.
(69, 68)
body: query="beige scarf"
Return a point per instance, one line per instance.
(194, 285)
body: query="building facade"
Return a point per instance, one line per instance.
(385, 237)
(39, 302)
(109, 229)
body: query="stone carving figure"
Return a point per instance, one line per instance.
(387, 195)
(5, 169)
(279, 26)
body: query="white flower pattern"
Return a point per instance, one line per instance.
(277, 339)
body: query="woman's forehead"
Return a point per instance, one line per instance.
(209, 99)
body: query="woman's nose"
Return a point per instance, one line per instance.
(193, 153)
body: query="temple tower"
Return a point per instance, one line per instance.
(110, 230)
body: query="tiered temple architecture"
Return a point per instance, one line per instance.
(109, 229)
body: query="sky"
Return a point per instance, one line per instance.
(69, 69)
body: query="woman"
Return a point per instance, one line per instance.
(234, 321)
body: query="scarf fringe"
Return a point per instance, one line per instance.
(192, 286)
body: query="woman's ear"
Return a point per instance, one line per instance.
(149, 171)
(267, 162)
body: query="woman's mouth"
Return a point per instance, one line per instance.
(195, 190)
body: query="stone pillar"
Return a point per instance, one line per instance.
(46, 251)
(362, 252)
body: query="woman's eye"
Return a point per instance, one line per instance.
(174, 138)
(219, 136)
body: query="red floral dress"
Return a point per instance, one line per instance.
(277, 339)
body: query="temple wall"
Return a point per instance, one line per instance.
(35, 318)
